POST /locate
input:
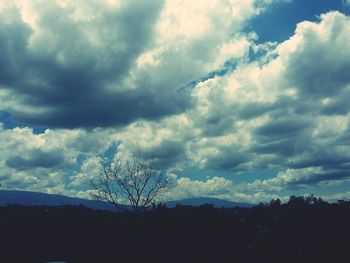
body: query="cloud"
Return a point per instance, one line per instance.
(68, 66)
(96, 64)
(37, 158)
(47, 161)
(292, 179)
(89, 170)
(177, 81)
(263, 115)
(346, 2)
(217, 187)
(337, 196)
(274, 114)
(309, 57)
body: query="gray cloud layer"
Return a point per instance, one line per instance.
(36, 159)
(69, 72)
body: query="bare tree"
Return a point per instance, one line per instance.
(136, 182)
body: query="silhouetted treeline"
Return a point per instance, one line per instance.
(306, 229)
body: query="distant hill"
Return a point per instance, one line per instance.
(197, 201)
(26, 198)
(14, 197)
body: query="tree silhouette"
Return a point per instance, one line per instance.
(134, 182)
(275, 203)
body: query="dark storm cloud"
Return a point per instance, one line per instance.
(13, 38)
(284, 147)
(317, 179)
(344, 138)
(292, 179)
(282, 137)
(68, 80)
(308, 162)
(229, 163)
(321, 157)
(322, 79)
(337, 106)
(109, 109)
(281, 128)
(36, 159)
(216, 125)
(253, 110)
(293, 146)
(229, 159)
(165, 155)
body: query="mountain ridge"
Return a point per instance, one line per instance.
(28, 198)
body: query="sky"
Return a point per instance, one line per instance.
(240, 100)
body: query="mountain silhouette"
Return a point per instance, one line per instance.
(26, 198)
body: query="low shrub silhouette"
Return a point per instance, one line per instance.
(302, 230)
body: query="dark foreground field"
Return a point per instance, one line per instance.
(300, 231)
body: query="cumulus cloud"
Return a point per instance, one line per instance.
(290, 179)
(93, 63)
(48, 161)
(270, 114)
(274, 113)
(217, 187)
(89, 170)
